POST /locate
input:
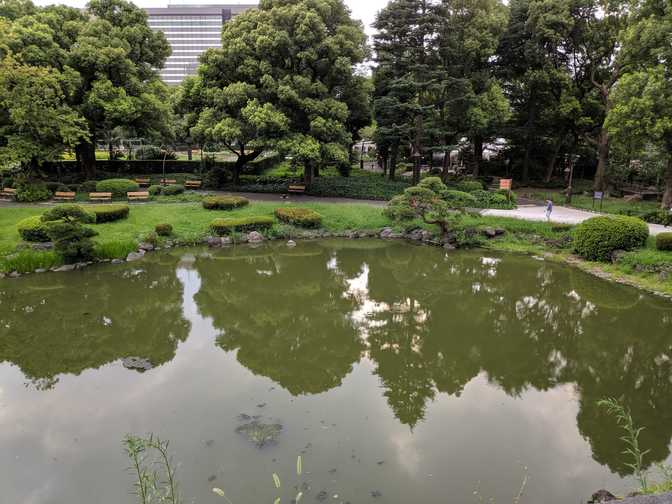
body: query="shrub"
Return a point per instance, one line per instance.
(459, 199)
(372, 187)
(28, 192)
(152, 152)
(469, 186)
(155, 190)
(227, 226)
(509, 195)
(163, 229)
(110, 213)
(57, 187)
(32, 229)
(69, 213)
(88, 186)
(224, 202)
(72, 241)
(487, 199)
(302, 217)
(663, 217)
(397, 209)
(664, 241)
(118, 187)
(172, 190)
(597, 238)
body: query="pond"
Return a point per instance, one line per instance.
(400, 373)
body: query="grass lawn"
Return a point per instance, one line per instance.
(609, 205)
(190, 223)
(644, 267)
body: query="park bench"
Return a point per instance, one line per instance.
(641, 191)
(192, 184)
(100, 196)
(8, 193)
(297, 189)
(64, 196)
(168, 181)
(143, 182)
(138, 196)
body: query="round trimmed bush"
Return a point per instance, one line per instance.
(597, 238)
(155, 190)
(242, 224)
(224, 202)
(469, 186)
(118, 187)
(172, 190)
(302, 217)
(664, 241)
(163, 229)
(459, 199)
(110, 213)
(32, 229)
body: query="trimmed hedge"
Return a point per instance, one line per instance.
(487, 199)
(241, 224)
(302, 217)
(154, 190)
(163, 229)
(224, 202)
(32, 192)
(118, 187)
(664, 241)
(459, 199)
(596, 239)
(469, 186)
(110, 213)
(68, 212)
(32, 229)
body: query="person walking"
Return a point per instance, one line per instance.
(549, 210)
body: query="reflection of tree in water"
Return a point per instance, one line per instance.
(285, 313)
(67, 323)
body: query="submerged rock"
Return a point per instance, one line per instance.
(135, 256)
(146, 246)
(137, 364)
(602, 496)
(291, 243)
(255, 237)
(259, 433)
(65, 267)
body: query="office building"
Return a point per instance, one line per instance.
(190, 30)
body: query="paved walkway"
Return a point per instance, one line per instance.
(560, 214)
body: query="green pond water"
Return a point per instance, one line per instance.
(400, 373)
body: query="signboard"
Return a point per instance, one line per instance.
(505, 184)
(598, 196)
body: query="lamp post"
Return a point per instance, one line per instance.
(570, 161)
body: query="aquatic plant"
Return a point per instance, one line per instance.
(631, 439)
(152, 485)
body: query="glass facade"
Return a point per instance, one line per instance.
(190, 30)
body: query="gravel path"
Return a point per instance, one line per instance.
(560, 214)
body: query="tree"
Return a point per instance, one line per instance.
(642, 115)
(282, 78)
(36, 121)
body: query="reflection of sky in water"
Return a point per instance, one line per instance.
(480, 439)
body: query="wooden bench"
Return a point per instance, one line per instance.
(138, 196)
(8, 194)
(100, 196)
(297, 189)
(143, 182)
(192, 184)
(168, 182)
(64, 196)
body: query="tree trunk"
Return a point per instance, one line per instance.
(600, 182)
(110, 151)
(445, 165)
(550, 168)
(529, 128)
(86, 157)
(237, 168)
(478, 155)
(416, 171)
(526, 162)
(308, 171)
(316, 170)
(393, 161)
(189, 154)
(667, 196)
